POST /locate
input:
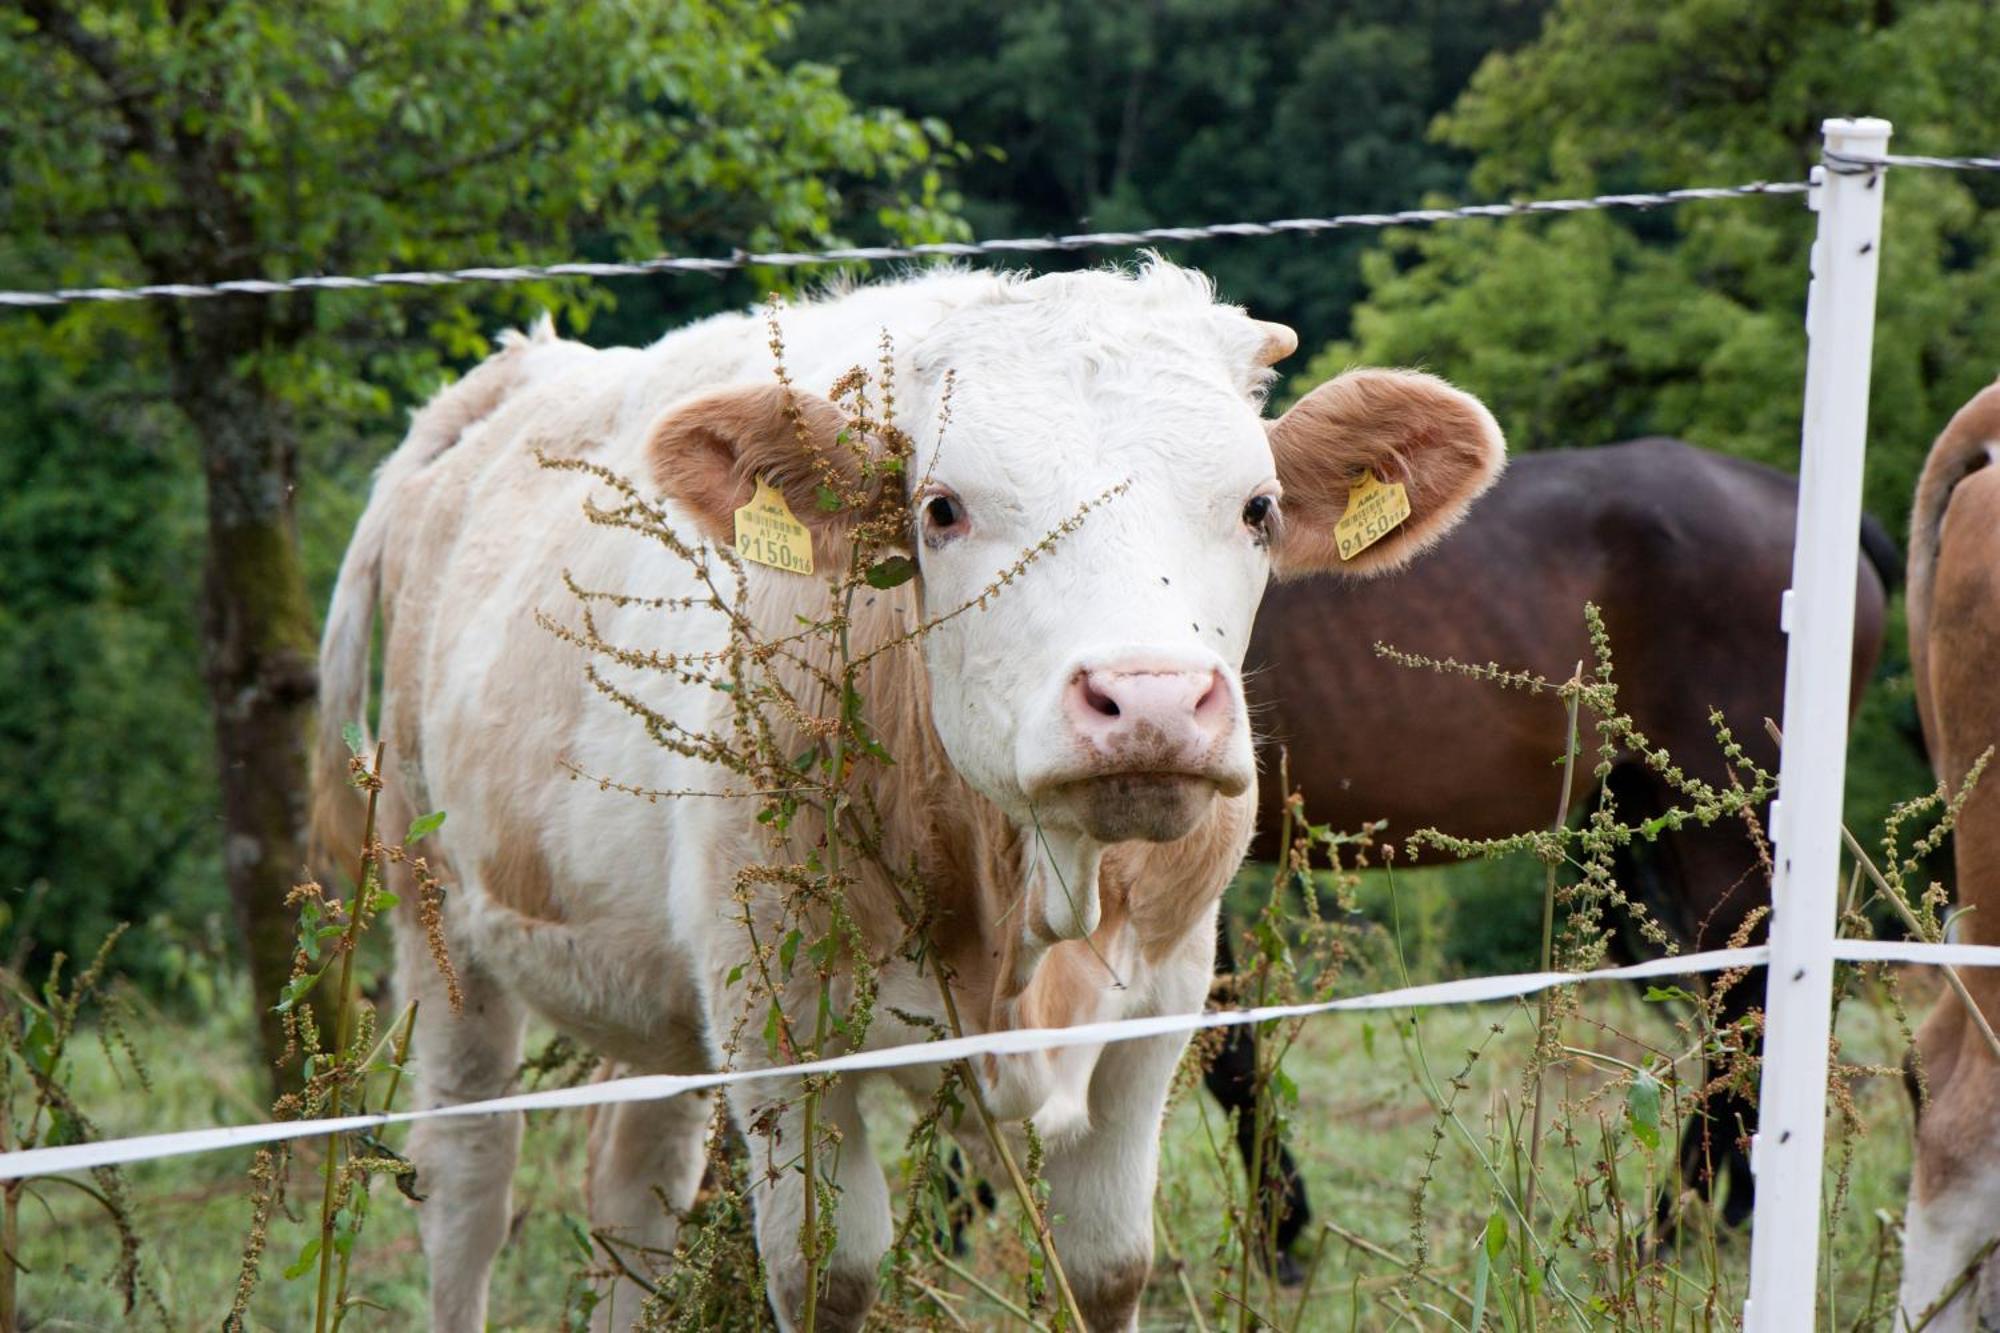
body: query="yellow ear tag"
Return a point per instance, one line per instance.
(1374, 510)
(768, 534)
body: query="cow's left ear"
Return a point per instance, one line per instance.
(709, 452)
(1403, 427)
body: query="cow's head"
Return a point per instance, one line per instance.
(1116, 423)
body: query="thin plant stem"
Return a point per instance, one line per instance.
(1022, 1190)
(1367, 1246)
(357, 916)
(1180, 1269)
(1544, 1027)
(985, 1289)
(401, 1036)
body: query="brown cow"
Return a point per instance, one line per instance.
(1687, 553)
(1954, 1211)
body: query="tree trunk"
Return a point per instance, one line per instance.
(257, 635)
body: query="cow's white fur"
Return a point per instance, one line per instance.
(1065, 387)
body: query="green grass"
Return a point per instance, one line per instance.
(1364, 1125)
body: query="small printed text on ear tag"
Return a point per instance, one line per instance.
(1374, 510)
(768, 534)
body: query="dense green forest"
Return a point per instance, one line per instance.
(167, 466)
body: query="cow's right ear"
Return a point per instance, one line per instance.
(708, 453)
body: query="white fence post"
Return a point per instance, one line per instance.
(1818, 613)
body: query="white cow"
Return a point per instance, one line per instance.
(1073, 760)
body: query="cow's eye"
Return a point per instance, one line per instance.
(943, 518)
(1258, 512)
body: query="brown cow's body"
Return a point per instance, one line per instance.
(1954, 642)
(1686, 552)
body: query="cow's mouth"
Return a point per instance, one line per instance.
(1141, 807)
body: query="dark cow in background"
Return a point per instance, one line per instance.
(1687, 554)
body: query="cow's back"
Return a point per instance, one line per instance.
(1686, 554)
(470, 544)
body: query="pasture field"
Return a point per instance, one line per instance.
(1367, 1130)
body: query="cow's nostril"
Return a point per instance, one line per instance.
(1216, 697)
(1098, 701)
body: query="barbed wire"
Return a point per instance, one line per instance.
(1845, 163)
(1849, 163)
(872, 254)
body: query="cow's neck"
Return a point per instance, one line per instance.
(1027, 919)
(1001, 895)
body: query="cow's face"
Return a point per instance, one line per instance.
(1105, 486)
(1109, 432)
(1109, 500)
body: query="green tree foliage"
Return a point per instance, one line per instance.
(185, 140)
(106, 803)
(1594, 327)
(1602, 326)
(1184, 111)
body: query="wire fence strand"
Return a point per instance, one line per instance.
(875, 254)
(1850, 162)
(1020, 245)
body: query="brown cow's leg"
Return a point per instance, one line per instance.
(1231, 1078)
(1700, 884)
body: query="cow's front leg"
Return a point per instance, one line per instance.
(774, 1113)
(645, 1165)
(1101, 1182)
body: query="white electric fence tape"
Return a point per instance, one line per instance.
(1017, 1041)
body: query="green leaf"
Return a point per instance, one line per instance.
(1642, 1109)
(774, 1030)
(63, 1129)
(1496, 1234)
(343, 1230)
(891, 572)
(38, 1044)
(788, 950)
(579, 1236)
(295, 990)
(357, 740)
(423, 826)
(302, 1265)
(826, 499)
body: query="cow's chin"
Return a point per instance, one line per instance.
(1141, 807)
